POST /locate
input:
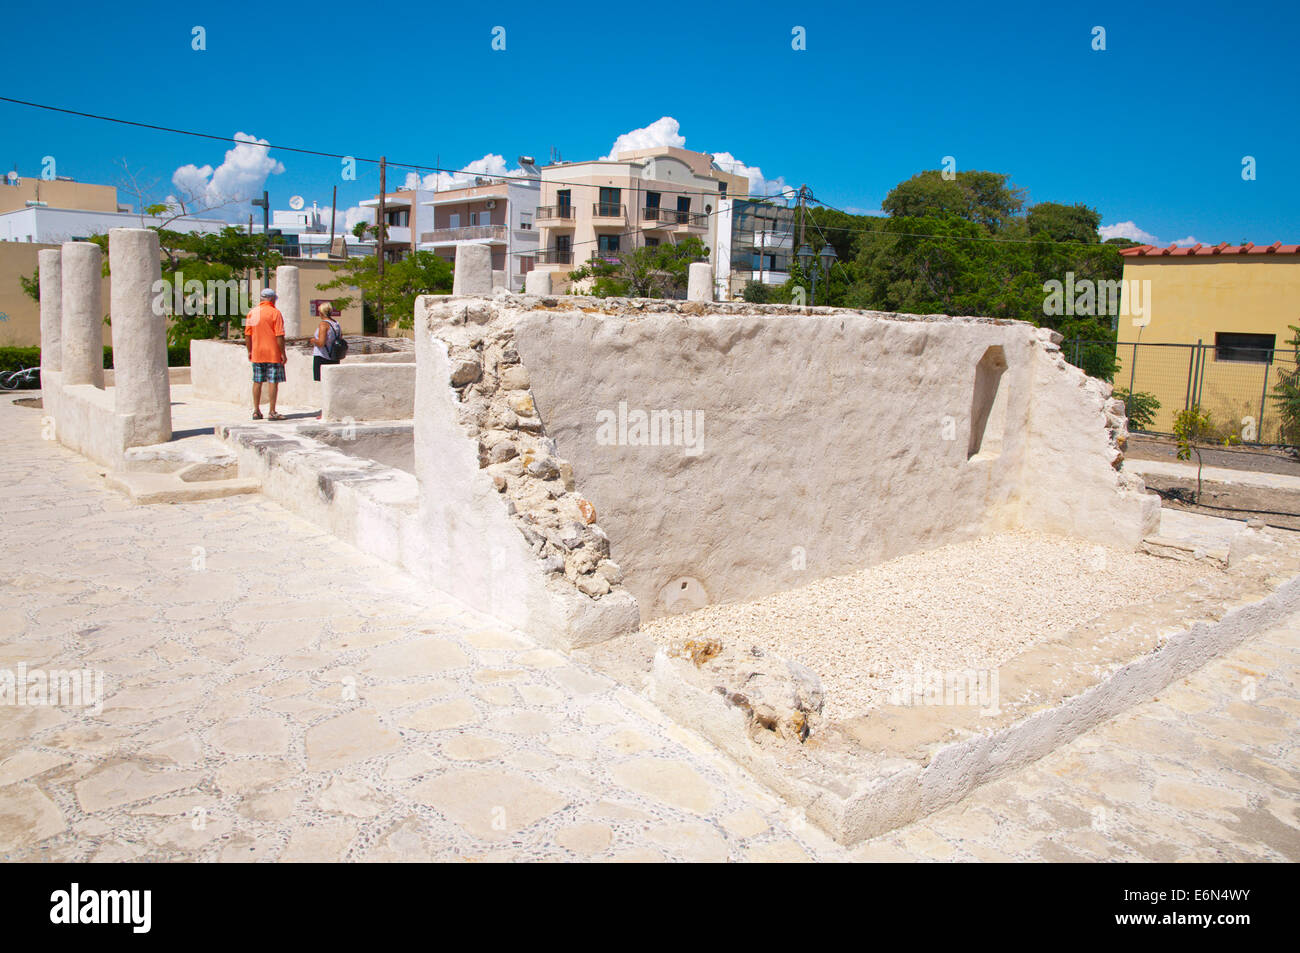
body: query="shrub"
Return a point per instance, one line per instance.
(1140, 407)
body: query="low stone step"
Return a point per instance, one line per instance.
(145, 488)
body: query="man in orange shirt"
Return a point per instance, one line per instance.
(264, 335)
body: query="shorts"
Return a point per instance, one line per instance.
(268, 373)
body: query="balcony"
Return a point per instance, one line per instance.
(554, 256)
(466, 233)
(672, 218)
(608, 210)
(555, 213)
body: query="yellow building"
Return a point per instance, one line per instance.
(1237, 302)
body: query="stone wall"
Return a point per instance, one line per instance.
(367, 391)
(694, 453)
(219, 370)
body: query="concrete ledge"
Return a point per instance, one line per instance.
(148, 488)
(219, 370)
(368, 391)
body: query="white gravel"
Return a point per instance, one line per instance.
(969, 605)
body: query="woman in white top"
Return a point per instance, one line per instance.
(329, 325)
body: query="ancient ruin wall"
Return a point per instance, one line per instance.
(797, 445)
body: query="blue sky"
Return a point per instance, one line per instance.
(1151, 131)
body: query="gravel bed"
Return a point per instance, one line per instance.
(969, 605)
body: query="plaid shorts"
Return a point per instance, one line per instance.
(268, 373)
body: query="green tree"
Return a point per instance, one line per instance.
(403, 281)
(643, 272)
(1192, 428)
(985, 198)
(1063, 223)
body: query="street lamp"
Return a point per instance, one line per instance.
(805, 256)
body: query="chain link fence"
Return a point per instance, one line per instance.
(1235, 385)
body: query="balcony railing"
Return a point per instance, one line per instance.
(671, 217)
(554, 256)
(464, 233)
(562, 213)
(609, 210)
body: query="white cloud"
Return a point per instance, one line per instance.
(358, 214)
(1127, 230)
(490, 165)
(662, 132)
(758, 183)
(1185, 242)
(665, 132)
(224, 190)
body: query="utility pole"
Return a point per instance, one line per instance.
(265, 203)
(379, 245)
(334, 204)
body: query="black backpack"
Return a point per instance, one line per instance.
(336, 345)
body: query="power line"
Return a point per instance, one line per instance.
(314, 152)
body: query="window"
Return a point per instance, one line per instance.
(525, 220)
(762, 262)
(1244, 348)
(564, 199)
(453, 220)
(607, 243)
(525, 264)
(652, 243)
(399, 218)
(473, 218)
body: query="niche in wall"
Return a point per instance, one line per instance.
(988, 406)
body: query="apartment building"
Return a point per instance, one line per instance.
(62, 209)
(762, 238)
(406, 215)
(500, 213)
(601, 207)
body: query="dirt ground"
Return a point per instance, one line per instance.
(1230, 501)
(1256, 459)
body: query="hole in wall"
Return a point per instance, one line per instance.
(988, 407)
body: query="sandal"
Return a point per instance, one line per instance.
(275, 417)
(257, 415)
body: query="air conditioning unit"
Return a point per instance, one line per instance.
(491, 203)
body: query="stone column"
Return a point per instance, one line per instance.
(473, 270)
(537, 282)
(141, 387)
(699, 285)
(286, 290)
(82, 316)
(51, 268)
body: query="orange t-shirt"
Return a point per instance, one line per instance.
(264, 324)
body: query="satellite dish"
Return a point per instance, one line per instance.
(296, 203)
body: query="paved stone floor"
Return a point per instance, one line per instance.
(274, 695)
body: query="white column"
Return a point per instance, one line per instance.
(537, 282)
(82, 317)
(51, 268)
(141, 387)
(287, 300)
(699, 285)
(473, 270)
